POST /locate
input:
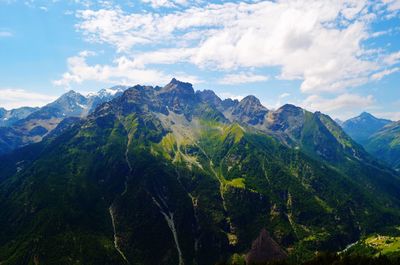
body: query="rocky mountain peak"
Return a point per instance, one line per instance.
(71, 93)
(109, 92)
(177, 96)
(366, 115)
(229, 103)
(287, 118)
(70, 101)
(177, 87)
(250, 110)
(250, 104)
(251, 101)
(363, 126)
(209, 96)
(290, 109)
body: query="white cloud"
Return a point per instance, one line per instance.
(122, 71)
(242, 78)
(187, 78)
(392, 58)
(13, 98)
(319, 42)
(163, 56)
(225, 95)
(342, 102)
(391, 115)
(284, 95)
(393, 5)
(381, 74)
(164, 3)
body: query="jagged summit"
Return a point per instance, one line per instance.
(177, 86)
(250, 104)
(109, 92)
(251, 100)
(249, 110)
(288, 114)
(209, 96)
(290, 108)
(71, 92)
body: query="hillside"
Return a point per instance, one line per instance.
(167, 175)
(385, 144)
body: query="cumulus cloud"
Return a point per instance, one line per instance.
(122, 71)
(242, 78)
(393, 5)
(342, 102)
(318, 42)
(165, 3)
(11, 98)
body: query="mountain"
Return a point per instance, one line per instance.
(9, 117)
(37, 123)
(104, 95)
(362, 127)
(74, 104)
(167, 175)
(385, 144)
(339, 122)
(380, 137)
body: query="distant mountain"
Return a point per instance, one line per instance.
(363, 126)
(380, 137)
(167, 175)
(74, 104)
(9, 117)
(339, 122)
(37, 123)
(385, 144)
(104, 95)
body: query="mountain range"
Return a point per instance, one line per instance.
(380, 137)
(9, 117)
(169, 175)
(19, 127)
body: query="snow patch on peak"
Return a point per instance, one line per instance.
(107, 92)
(82, 106)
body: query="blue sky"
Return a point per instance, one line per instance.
(339, 57)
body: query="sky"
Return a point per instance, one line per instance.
(339, 57)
